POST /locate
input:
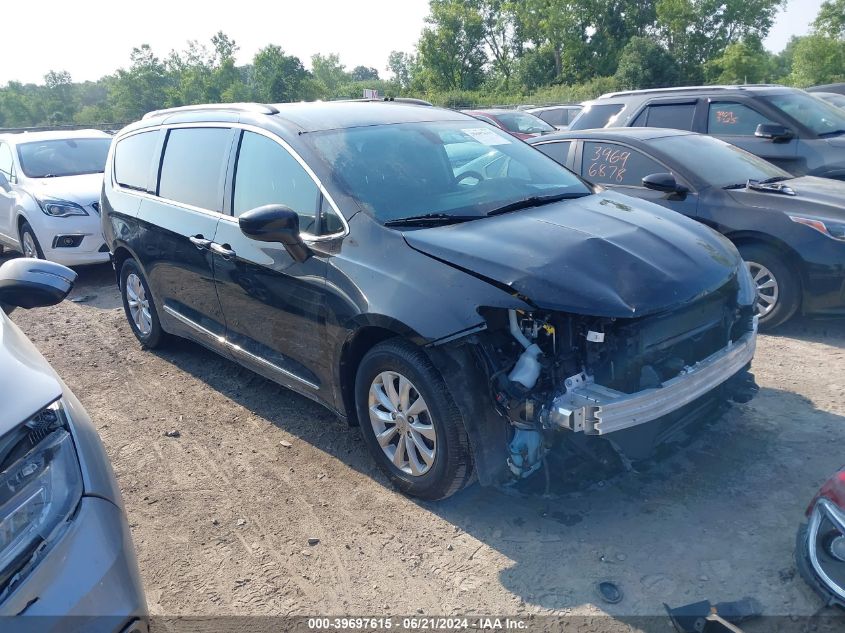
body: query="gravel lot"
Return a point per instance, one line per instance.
(222, 515)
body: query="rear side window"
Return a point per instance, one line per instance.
(613, 164)
(133, 158)
(558, 151)
(733, 119)
(596, 116)
(676, 116)
(268, 174)
(193, 166)
(553, 117)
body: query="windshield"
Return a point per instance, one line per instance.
(819, 116)
(523, 122)
(596, 116)
(406, 170)
(66, 157)
(717, 163)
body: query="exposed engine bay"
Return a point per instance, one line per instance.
(555, 372)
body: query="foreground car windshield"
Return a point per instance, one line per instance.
(822, 118)
(716, 162)
(404, 170)
(65, 157)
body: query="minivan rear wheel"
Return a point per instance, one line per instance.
(410, 422)
(778, 288)
(139, 306)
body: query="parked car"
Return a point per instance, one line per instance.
(49, 195)
(520, 124)
(790, 231)
(558, 116)
(65, 547)
(785, 126)
(838, 88)
(466, 323)
(820, 543)
(831, 97)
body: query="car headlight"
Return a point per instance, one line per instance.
(834, 230)
(747, 294)
(40, 487)
(60, 208)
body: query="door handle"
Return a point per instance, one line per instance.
(200, 242)
(223, 250)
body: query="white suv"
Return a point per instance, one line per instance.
(50, 186)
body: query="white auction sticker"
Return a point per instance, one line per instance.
(488, 137)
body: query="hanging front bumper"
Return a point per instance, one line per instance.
(596, 410)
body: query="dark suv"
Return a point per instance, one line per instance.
(788, 127)
(466, 320)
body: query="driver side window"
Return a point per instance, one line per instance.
(267, 174)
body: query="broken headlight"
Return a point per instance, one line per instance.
(747, 289)
(40, 486)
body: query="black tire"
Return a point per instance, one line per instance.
(789, 287)
(26, 229)
(451, 469)
(156, 336)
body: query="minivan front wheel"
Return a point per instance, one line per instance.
(410, 422)
(138, 306)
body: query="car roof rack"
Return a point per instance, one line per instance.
(255, 108)
(626, 93)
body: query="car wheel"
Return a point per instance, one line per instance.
(778, 288)
(29, 243)
(139, 306)
(410, 422)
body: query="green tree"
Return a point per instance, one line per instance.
(451, 48)
(328, 70)
(817, 59)
(646, 64)
(698, 31)
(58, 98)
(740, 63)
(401, 65)
(140, 88)
(277, 77)
(831, 19)
(363, 73)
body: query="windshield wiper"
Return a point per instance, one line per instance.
(833, 133)
(431, 218)
(536, 201)
(773, 179)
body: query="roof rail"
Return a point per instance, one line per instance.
(255, 108)
(625, 93)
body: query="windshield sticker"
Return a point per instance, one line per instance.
(485, 136)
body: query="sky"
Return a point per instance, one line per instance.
(92, 38)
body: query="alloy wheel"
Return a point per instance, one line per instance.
(139, 304)
(402, 423)
(29, 247)
(767, 288)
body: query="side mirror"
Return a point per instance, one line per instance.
(4, 182)
(275, 223)
(774, 132)
(663, 182)
(33, 283)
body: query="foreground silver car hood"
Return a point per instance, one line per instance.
(27, 382)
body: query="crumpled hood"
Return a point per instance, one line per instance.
(27, 382)
(822, 197)
(602, 255)
(83, 189)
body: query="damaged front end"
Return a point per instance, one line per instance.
(633, 381)
(820, 545)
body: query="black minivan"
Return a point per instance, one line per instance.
(468, 320)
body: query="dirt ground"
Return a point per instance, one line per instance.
(222, 515)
